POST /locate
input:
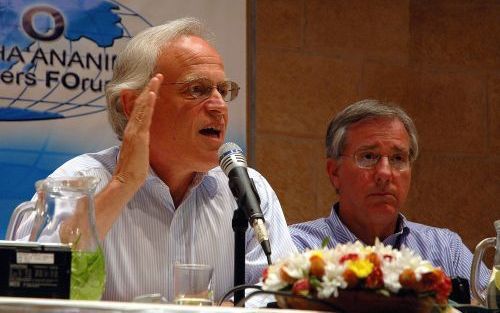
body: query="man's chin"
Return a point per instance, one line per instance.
(384, 208)
(383, 205)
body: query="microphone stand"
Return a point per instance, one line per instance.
(240, 226)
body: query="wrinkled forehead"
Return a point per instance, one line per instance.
(188, 53)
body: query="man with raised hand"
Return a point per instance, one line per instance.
(162, 197)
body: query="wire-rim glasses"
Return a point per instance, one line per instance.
(201, 88)
(399, 161)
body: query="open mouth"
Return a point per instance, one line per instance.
(210, 132)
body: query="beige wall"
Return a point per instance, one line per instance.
(440, 60)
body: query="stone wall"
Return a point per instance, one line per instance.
(439, 59)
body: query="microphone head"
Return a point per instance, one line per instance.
(231, 156)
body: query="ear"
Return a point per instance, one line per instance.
(127, 99)
(332, 168)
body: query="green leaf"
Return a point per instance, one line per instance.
(315, 282)
(325, 242)
(88, 275)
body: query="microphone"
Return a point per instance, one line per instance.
(233, 163)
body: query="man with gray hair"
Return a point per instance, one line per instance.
(370, 149)
(162, 198)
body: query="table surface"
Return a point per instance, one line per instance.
(21, 305)
(25, 305)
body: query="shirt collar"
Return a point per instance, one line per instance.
(200, 178)
(339, 229)
(343, 235)
(197, 179)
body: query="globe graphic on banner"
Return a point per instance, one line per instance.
(55, 59)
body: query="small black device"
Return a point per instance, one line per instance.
(460, 291)
(32, 269)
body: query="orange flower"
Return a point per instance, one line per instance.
(350, 278)
(407, 279)
(374, 259)
(430, 280)
(317, 266)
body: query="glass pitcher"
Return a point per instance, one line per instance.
(64, 213)
(491, 296)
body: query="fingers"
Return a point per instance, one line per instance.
(142, 112)
(155, 83)
(133, 163)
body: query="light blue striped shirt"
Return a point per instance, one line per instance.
(150, 235)
(440, 246)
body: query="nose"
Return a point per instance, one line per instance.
(215, 103)
(383, 171)
(216, 92)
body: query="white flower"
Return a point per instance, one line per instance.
(332, 280)
(273, 280)
(297, 266)
(392, 263)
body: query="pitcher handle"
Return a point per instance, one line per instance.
(16, 218)
(476, 263)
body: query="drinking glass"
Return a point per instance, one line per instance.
(193, 284)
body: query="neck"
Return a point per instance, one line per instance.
(177, 181)
(368, 231)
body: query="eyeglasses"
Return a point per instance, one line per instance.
(201, 88)
(369, 159)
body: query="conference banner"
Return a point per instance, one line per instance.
(55, 59)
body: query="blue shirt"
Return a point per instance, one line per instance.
(442, 247)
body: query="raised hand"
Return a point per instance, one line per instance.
(133, 163)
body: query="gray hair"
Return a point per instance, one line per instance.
(136, 63)
(362, 110)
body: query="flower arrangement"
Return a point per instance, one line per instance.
(380, 269)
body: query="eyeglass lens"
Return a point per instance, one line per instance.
(202, 88)
(368, 159)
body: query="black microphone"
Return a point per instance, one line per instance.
(233, 163)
